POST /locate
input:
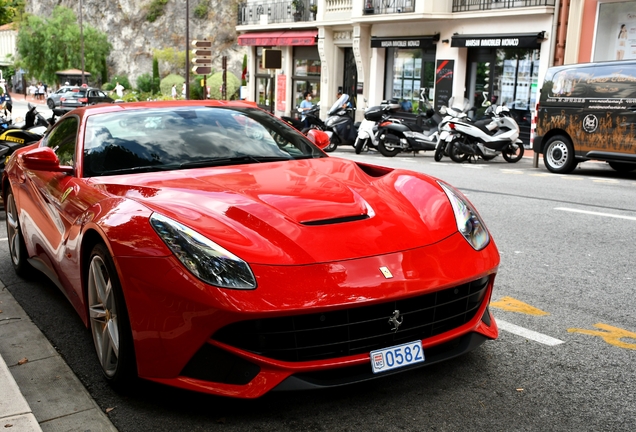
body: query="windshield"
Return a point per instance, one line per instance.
(190, 137)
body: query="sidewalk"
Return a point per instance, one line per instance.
(38, 391)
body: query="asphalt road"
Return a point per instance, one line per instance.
(564, 292)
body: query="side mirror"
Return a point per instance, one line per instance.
(319, 138)
(44, 159)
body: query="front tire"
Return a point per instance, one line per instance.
(439, 152)
(17, 246)
(558, 155)
(361, 145)
(50, 104)
(109, 322)
(513, 153)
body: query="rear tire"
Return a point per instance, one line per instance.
(108, 317)
(622, 167)
(361, 145)
(333, 144)
(455, 153)
(17, 246)
(513, 153)
(558, 155)
(386, 152)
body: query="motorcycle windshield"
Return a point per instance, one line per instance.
(336, 106)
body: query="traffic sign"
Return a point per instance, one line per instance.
(202, 43)
(202, 61)
(202, 70)
(201, 52)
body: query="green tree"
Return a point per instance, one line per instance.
(155, 75)
(173, 57)
(46, 46)
(144, 83)
(8, 10)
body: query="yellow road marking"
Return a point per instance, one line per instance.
(611, 335)
(513, 305)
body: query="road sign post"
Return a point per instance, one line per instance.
(202, 60)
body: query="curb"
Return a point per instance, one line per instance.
(38, 390)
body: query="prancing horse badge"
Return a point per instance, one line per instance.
(386, 272)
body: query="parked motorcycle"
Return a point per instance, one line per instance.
(401, 135)
(446, 134)
(367, 137)
(487, 139)
(339, 124)
(313, 120)
(16, 136)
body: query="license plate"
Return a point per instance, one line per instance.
(397, 356)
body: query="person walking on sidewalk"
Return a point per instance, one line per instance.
(119, 89)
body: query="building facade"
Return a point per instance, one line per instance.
(483, 50)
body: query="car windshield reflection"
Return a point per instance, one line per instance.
(193, 137)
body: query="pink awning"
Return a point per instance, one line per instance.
(279, 38)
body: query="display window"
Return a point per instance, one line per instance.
(306, 74)
(265, 85)
(409, 71)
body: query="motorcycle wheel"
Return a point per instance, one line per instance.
(439, 152)
(455, 154)
(333, 144)
(513, 153)
(361, 145)
(385, 151)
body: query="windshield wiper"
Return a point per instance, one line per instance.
(139, 169)
(220, 161)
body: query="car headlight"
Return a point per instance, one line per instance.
(469, 224)
(205, 259)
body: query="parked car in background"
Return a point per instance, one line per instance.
(53, 100)
(81, 96)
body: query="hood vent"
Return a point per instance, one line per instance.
(336, 220)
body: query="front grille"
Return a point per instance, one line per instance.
(357, 330)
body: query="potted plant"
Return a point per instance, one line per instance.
(299, 8)
(313, 9)
(368, 7)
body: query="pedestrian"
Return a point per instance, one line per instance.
(41, 91)
(183, 91)
(305, 105)
(119, 89)
(174, 91)
(32, 90)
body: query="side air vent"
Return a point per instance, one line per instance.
(336, 220)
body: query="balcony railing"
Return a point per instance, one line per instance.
(388, 6)
(477, 5)
(275, 11)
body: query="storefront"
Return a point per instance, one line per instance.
(409, 67)
(501, 69)
(300, 68)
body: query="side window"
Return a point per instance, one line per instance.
(613, 82)
(101, 94)
(62, 140)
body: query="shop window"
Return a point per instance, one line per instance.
(306, 74)
(409, 71)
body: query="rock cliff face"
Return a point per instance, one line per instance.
(134, 38)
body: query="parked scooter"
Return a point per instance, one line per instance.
(367, 137)
(312, 117)
(487, 139)
(16, 136)
(339, 124)
(446, 134)
(399, 135)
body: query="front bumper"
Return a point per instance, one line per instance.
(175, 317)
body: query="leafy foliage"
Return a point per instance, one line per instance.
(174, 58)
(215, 82)
(144, 83)
(201, 9)
(8, 10)
(168, 81)
(155, 10)
(121, 79)
(46, 46)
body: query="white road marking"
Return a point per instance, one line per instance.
(528, 334)
(595, 213)
(3, 239)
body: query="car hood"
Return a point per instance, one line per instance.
(298, 212)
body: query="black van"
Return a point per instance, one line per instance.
(588, 111)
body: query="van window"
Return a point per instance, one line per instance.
(570, 83)
(613, 82)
